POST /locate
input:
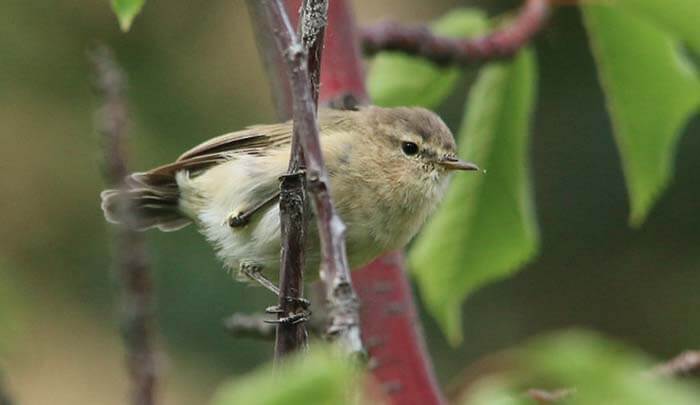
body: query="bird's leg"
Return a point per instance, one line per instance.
(254, 272)
(242, 217)
(301, 312)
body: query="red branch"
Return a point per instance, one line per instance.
(344, 323)
(390, 325)
(419, 41)
(130, 259)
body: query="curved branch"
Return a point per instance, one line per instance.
(419, 41)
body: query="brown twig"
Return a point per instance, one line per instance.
(549, 396)
(130, 260)
(419, 41)
(344, 326)
(312, 29)
(685, 364)
(258, 326)
(293, 336)
(250, 325)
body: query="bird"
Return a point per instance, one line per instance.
(388, 170)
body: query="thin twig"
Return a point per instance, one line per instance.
(685, 364)
(549, 396)
(130, 259)
(344, 325)
(258, 326)
(419, 41)
(312, 29)
(293, 336)
(250, 325)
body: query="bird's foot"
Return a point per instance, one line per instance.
(298, 308)
(293, 319)
(302, 303)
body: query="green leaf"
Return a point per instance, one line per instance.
(603, 371)
(486, 227)
(595, 369)
(651, 93)
(126, 11)
(679, 18)
(396, 79)
(318, 377)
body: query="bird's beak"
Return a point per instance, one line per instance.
(455, 163)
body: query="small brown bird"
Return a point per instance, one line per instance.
(388, 170)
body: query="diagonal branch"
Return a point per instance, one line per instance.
(419, 41)
(343, 303)
(129, 250)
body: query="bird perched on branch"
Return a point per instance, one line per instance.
(388, 170)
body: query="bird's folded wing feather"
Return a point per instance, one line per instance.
(255, 140)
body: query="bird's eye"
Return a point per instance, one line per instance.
(409, 148)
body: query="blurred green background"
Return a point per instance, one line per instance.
(194, 73)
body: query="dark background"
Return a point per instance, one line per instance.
(194, 74)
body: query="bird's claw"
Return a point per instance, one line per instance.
(275, 309)
(293, 319)
(303, 303)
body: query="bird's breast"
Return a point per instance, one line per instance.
(386, 216)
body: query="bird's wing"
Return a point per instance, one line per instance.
(251, 141)
(255, 140)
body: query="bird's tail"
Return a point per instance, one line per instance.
(152, 201)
